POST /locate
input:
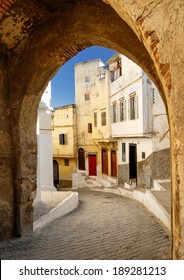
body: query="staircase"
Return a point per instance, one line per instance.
(93, 181)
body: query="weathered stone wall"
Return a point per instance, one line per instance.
(156, 166)
(6, 163)
(37, 37)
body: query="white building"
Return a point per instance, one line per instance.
(139, 124)
(44, 145)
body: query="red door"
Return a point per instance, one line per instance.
(113, 164)
(104, 162)
(92, 165)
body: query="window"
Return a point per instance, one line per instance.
(86, 96)
(66, 162)
(133, 107)
(114, 113)
(63, 139)
(124, 152)
(122, 110)
(143, 155)
(81, 159)
(89, 127)
(103, 118)
(95, 119)
(87, 79)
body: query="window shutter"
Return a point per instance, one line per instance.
(115, 111)
(66, 139)
(111, 114)
(128, 112)
(118, 112)
(125, 111)
(136, 107)
(60, 139)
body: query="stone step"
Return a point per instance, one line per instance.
(93, 183)
(81, 181)
(104, 182)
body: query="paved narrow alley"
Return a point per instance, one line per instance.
(104, 226)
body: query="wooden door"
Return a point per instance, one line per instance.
(113, 164)
(104, 161)
(92, 165)
(81, 159)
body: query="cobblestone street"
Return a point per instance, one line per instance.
(104, 226)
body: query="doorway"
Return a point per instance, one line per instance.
(113, 164)
(56, 173)
(133, 161)
(92, 165)
(81, 159)
(104, 161)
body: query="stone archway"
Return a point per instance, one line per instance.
(37, 39)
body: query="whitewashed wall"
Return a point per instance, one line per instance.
(143, 145)
(129, 127)
(44, 144)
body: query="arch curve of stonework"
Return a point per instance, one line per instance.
(54, 41)
(37, 38)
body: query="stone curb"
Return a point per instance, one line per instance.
(64, 207)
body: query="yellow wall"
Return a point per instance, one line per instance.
(64, 122)
(65, 172)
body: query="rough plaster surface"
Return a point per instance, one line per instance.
(37, 35)
(156, 166)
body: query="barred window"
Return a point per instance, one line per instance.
(124, 152)
(122, 110)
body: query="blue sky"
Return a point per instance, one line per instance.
(63, 82)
